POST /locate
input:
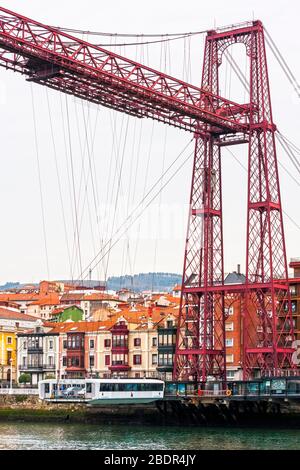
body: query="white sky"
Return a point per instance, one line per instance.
(22, 249)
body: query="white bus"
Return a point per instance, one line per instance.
(102, 391)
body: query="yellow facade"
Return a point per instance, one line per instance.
(8, 355)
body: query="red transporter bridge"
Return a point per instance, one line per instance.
(49, 57)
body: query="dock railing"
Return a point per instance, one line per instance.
(19, 391)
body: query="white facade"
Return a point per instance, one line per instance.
(38, 355)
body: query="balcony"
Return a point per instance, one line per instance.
(119, 366)
(35, 349)
(75, 369)
(32, 367)
(119, 347)
(166, 348)
(75, 348)
(165, 366)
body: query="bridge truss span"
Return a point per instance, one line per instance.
(47, 56)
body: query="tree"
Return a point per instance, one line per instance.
(24, 378)
(50, 376)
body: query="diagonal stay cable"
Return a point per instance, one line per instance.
(141, 203)
(142, 211)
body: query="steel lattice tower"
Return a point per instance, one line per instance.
(50, 57)
(268, 329)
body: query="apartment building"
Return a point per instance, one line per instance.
(12, 322)
(38, 353)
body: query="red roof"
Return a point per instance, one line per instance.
(7, 314)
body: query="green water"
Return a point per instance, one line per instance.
(82, 436)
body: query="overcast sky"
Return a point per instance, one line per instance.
(103, 141)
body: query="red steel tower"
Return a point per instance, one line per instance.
(52, 58)
(268, 329)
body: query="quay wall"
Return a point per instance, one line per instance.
(166, 412)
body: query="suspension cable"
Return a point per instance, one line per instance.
(246, 170)
(58, 179)
(142, 211)
(76, 234)
(40, 180)
(138, 206)
(289, 152)
(283, 64)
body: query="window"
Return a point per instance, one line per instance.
(228, 311)
(154, 342)
(137, 359)
(166, 339)
(64, 361)
(50, 360)
(107, 343)
(229, 326)
(131, 387)
(51, 344)
(88, 387)
(75, 361)
(165, 359)
(9, 357)
(120, 341)
(229, 358)
(107, 360)
(154, 359)
(65, 344)
(229, 342)
(92, 361)
(137, 341)
(9, 340)
(230, 374)
(25, 345)
(293, 290)
(170, 324)
(92, 343)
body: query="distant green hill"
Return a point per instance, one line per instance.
(10, 285)
(144, 281)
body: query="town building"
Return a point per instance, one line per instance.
(91, 302)
(12, 322)
(123, 345)
(38, 353)
(65, 313)
(294, 284)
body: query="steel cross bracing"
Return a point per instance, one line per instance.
(65, 63)
(267, 321)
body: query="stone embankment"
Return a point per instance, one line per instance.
(167, 412)
(31, 408)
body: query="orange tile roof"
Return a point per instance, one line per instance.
(94, 296)
(81, 326)
(172, 299)
(177, 288)
(19, 297)
(47, 300)
(5, 313)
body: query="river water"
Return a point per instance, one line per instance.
(114, 437)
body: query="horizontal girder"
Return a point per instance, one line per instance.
(50, 57)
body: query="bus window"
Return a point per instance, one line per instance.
(88, 387)
(278, 386)
(47, 387)
(293, 386)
